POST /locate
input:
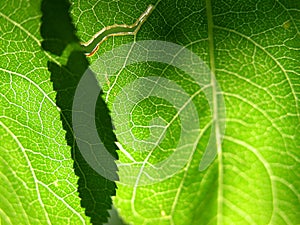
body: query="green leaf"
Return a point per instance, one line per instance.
(253, 50)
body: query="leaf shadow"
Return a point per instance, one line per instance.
(58, 32)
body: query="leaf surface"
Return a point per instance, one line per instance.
(253, 50)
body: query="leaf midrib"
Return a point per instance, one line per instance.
(215, 115)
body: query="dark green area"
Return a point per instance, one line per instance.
(58, 32)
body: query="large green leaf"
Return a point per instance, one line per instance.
(253, 49)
